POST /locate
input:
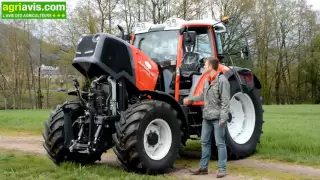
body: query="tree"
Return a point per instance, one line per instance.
(106, 9)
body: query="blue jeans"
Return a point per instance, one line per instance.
(208, 127)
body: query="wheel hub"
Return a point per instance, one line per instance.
(157, 139)
(153, 138)
(242, 124)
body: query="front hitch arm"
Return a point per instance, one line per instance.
(76, 85)
(68, 132)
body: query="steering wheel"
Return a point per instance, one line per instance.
(201, 61)
(169, 57)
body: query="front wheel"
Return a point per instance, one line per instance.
(244, 131)
(53, 136)
(148, 140)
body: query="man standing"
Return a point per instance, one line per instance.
(216, 96)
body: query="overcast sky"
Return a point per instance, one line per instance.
(315, 4)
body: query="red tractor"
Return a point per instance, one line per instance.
(134, 104)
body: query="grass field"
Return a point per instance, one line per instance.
(54, 98)
(27, 121)
(18, 165)
(36, 167)
(291, 132)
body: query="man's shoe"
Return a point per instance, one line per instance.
(201, 171)
(221, 174)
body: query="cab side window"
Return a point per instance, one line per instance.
(218, 42)
(203, 45)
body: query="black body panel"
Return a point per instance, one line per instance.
(241, 70)
(104, 54)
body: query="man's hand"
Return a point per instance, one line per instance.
(221, 123)
(186, 101)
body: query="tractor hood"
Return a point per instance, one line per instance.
(104, 54)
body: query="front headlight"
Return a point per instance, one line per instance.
(80, 40)
(96, 38)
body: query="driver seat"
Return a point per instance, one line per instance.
(190, 64)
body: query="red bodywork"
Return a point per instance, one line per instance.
(146, 78)
(146, 70)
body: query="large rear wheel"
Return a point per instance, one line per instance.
(148, 137)
(244, 130)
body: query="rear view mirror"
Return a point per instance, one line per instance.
(126, 37)
(121, 35)
(244, 50)
(189, 40)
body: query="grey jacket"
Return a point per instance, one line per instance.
(216, 97)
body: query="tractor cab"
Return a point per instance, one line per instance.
(179, 47)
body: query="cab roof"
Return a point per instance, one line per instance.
(176, 24)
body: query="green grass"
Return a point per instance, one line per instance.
(54, 98)
(16, 165)
(25, 121)
(291, 133)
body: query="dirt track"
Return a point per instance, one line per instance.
(34, 144)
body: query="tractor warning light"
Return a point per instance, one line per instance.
(225, 19)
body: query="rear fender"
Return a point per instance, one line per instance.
(248, 79)
(182, 110)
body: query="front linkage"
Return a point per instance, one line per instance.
(98, 120)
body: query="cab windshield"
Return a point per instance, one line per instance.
(158, 45)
